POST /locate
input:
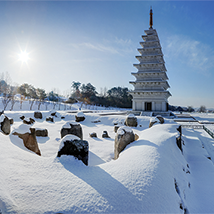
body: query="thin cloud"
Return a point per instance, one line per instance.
(97, 47)
(187, 51)
(114, 46)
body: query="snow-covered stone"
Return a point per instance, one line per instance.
(73, 128)
(72, 145)
(123, 137)
(5, 124)
(131, 120)
(38, 115)
(80, 116)
(29, 140)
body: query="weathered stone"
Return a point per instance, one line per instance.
(72, 128)
(41, 132)
(80, 116)
(152, 123)
(123, 137)
(160, 118)
(74, 147)
(11, 121)
(93, 134)
(131, 121)
(28, 121)
(38, 115)
(5, 125)
(136, 137)
(153, 120)
(53, 114)
(105, 134)
(50, 119)
(29, 140)
(116, 127)
(22, 117)
(96, 121)
(62, 117)
(179, 143)
(79, 119)
(180, 130)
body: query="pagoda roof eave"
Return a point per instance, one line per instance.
(139, 49)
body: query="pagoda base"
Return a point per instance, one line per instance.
(149, 105)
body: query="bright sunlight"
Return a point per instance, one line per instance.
(24, 56)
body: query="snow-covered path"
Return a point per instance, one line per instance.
(200, 191)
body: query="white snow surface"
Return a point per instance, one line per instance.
(151, 175)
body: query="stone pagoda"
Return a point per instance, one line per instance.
(150, 87)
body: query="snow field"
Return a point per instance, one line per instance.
(150, 176)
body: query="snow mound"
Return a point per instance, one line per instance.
(22, 129)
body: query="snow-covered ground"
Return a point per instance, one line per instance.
(150, 176)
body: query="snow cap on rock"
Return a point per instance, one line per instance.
(80, 114)
(68, 124)
(154, 119)
(68, 137)
(131, 116)
(123, 129)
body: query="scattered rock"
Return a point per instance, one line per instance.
(38, 115)
(153, 120)
(131, 120)
(96, 121)
(136, 137)
(11, 121)
(116, 127)
(160, 118)
(53, 114)
(28, 121)
(5, 124)
(179, 143)
(93, 134)
(105, 134)
(22, 117)
(41, 132)
(179, 129)
(80, 117)
(50, 119)
(72, 128)
(123, 137)
(29, 140)
(72, 145)
(62, 117)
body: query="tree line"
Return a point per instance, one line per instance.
(115, 97)
(84, 93)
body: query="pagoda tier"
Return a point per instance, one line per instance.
(150, 87)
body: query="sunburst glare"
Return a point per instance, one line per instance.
(23, 56)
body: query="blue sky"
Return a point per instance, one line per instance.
(97, 41)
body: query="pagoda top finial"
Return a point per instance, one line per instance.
(151, 18)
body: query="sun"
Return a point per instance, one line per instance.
(24, 56)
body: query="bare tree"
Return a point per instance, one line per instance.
(202, 109)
